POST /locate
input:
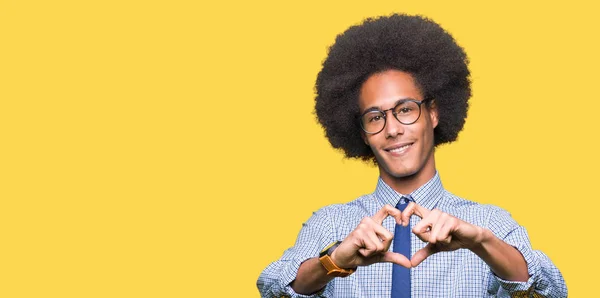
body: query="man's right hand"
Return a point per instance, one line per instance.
(370, 241)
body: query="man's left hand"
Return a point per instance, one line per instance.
(442, 231)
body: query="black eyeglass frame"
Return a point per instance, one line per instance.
(384, 113)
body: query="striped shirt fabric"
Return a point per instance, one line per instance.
(458, 273)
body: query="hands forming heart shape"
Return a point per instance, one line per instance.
(370, 241)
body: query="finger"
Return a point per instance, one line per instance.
(434, 235)
(379, 247)
(424, 227)
(368, 246)
(421, 211)
(396, 258)
(423, 254)
(445, 232)
(385, 236)
(415, 209)
(407, 213)
(386, 211)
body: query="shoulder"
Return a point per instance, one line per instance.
(362, 205)
(341, 219)
(470, 211)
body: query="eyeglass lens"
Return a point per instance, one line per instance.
(406, 112)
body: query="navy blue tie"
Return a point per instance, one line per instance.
(401, 275)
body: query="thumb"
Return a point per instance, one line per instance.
(423, 254)
(396, 258)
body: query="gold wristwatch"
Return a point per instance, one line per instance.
(330, 266)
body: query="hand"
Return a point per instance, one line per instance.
(442, 231)
(369, 243)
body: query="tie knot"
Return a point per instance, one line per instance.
(404, 200)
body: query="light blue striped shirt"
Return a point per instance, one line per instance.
(446, 274)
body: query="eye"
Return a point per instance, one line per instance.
(406, 107)
(375, 118)
(404, 110)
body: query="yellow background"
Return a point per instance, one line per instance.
(168, 148)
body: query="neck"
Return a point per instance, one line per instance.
(407, 184)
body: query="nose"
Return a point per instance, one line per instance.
(393, 127)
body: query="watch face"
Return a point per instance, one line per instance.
(331, 249)
(326, 250)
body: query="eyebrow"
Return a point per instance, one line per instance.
(371, 109)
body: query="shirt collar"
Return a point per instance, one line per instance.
(427, 195)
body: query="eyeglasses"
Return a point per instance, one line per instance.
(406, 111)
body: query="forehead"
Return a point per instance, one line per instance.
(383, 89)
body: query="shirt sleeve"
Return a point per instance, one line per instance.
(316, 233)
(545, 280)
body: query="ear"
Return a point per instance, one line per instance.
(433, 113)
(363, 135)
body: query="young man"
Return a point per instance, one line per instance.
(391, 89)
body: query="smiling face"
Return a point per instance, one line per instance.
(404, 153)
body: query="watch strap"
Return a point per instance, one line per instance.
(330, 266)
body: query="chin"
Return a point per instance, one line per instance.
(401, 172)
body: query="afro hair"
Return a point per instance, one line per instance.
(412, 44)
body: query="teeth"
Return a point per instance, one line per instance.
(401, 149)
